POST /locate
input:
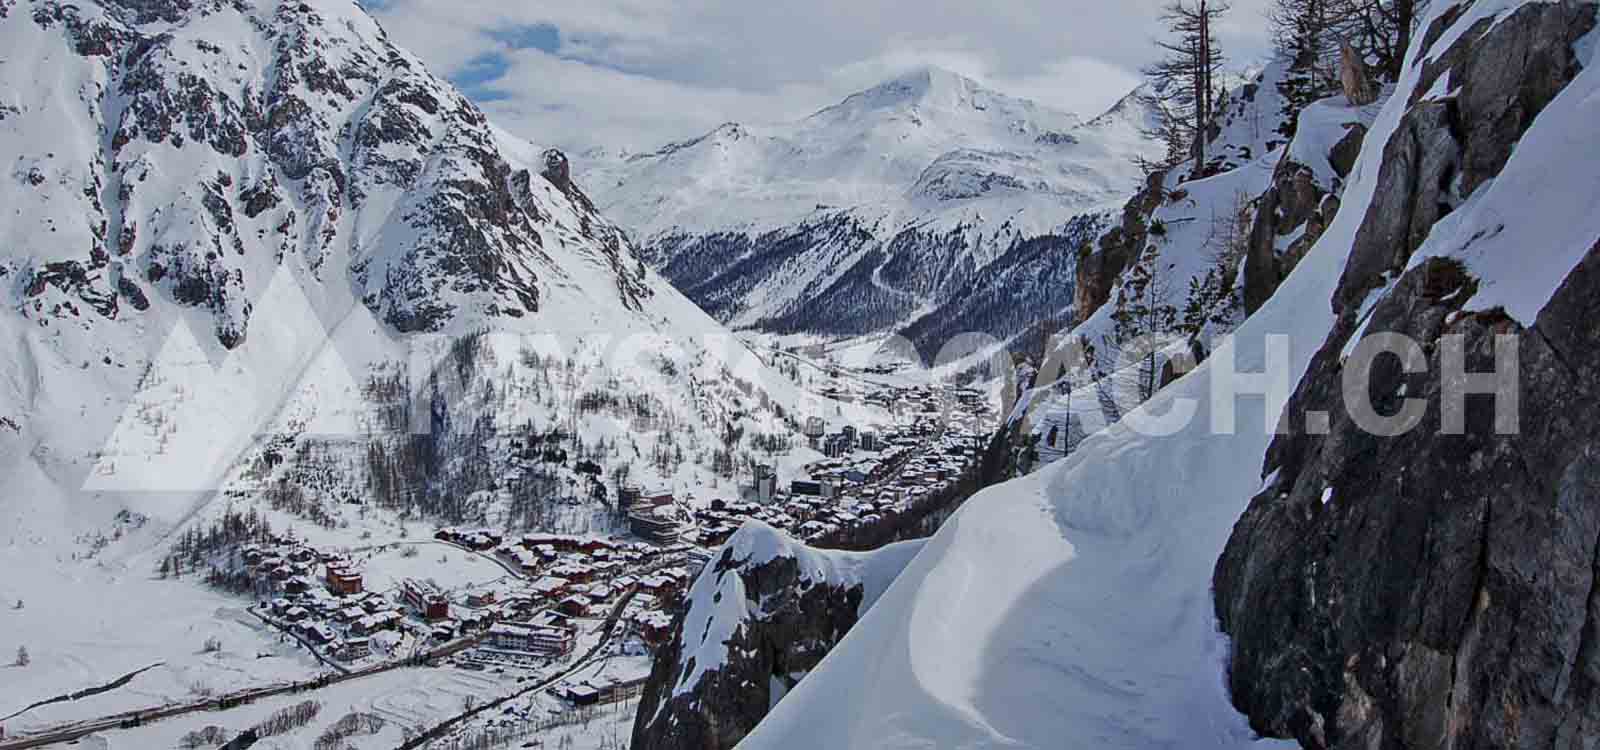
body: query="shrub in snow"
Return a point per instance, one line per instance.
(211, 736)
(288, 719)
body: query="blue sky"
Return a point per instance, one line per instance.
(634, 74)
(483, 77)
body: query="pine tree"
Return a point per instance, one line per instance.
(1143, 316)
(23, 659)
(1304, 38)
(1379, 29)
(1184, 79)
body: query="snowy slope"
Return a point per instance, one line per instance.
(1208, 227)
(1073, 605)
(888, 201)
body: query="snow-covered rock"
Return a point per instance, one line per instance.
(1217, 246)
(1074, 605)
(759, 617)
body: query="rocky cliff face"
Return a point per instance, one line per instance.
(1291, 216)
(1216, 241)
(229, 136)
(1101, 263)
(761, 615)
(1436, 590)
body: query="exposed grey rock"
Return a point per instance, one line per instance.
(1347, 150)
(1430, 590)
(1445, 149)
(796, 604)
(1443, 595)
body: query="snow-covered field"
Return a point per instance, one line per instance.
(452, 569)
(85, 625)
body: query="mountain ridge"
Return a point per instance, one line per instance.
(893, 197)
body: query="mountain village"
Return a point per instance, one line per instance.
(340, 409)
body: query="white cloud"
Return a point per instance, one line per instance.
(638, 73)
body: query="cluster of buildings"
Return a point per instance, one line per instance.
(525, 644)
(599, 691)
(868, 479)
(284, 566)
(323, 599)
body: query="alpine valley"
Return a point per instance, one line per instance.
(335, 416)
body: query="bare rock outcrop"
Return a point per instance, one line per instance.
(761, 615)
(1433, 590)
(1100, 264)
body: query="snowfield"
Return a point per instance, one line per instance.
(452, 569)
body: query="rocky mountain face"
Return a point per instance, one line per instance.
(1215, 241)
(885, 210)
(761, 615)
(300, 130)
(1276, 223)
(1437, 589)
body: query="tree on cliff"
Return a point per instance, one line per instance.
(1144, 321)
(1183, 81)
(1308, 33)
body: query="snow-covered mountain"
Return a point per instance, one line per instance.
(1370, 597)
(875, 211)
(253, 252)
(256, 261)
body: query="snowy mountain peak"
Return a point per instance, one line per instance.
(952, 100)
(929, 85)
(891, 199)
